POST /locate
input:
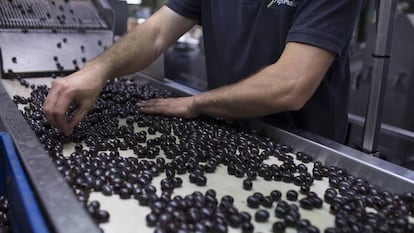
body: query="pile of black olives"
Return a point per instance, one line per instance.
(197, 147)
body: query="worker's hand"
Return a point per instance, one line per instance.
(81, 89)
(182, 107)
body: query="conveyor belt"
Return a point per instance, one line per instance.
(127, 214)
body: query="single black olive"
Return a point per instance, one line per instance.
(247, 184)
(306, 203)
(261, 216)
(276, 195)
(253, 202)
(281, 212)
(201, 180)
(267, 201)
(107, 190)
(317, 202)
(245, 216)
(102, 216)
(152, 219)
(247, 227)
(292, 195)
(291, 220)
(278, 227)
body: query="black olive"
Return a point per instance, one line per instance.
(125, 193)
(247, 184)
(281, 212)
(235, 221)
(317, 202)
(291, 220)
(102, 216)
(292, 195)
(152, 219)
(276, 195)
(245, 216)
(107, 190)
(253, 202)
(201, 180)
(267, 201)
(306, 203)
(312, 229)
(278, 227)
(247, 227)
(261, 216)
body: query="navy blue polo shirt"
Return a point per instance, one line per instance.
(243, 36)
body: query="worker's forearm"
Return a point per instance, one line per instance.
(141, 46)
(131, 53)
(256, 96)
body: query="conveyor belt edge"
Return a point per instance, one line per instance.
(25, 213)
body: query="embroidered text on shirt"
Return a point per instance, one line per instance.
(292, 3)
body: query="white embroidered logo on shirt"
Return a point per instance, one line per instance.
(292, 3)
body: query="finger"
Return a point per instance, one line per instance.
(151, 110)
(49, 105)
(148, 103)
(60, 117)
(160, 108)
(78, 115)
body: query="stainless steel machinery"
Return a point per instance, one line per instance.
(59, 37)
(44, 37)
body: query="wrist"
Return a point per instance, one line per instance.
(196, 104)
(98, 70)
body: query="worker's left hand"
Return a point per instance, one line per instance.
(182, 107)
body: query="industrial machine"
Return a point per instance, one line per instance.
(44, 37)
(40, 40)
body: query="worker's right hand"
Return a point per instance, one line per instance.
(80, 89)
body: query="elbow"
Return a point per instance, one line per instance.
(151, 32)
(293, 99)
(159, 43)
(295, 104)
(288, 103)
(296, 98)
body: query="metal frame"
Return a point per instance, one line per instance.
(385, 28)
(25, 214)
(396, 132)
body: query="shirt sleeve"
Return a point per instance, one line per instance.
(186, 8)
(327, 24)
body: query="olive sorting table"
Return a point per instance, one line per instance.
(66, 214)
